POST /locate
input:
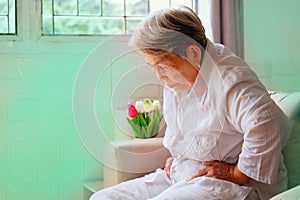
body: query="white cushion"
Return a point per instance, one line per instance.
(290, 104)
(291, 194)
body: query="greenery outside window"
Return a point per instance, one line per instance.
(99, 17)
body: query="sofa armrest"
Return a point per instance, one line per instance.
(290, 105)
(135, 158)
(293, 193)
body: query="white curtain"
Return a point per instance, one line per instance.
(226, 23)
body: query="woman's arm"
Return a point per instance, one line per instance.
(223, 171)
(238, 177)
(264, 127)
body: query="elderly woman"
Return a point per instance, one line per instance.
(224, 132)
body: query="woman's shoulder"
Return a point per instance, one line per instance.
(230, 68)
(233, 74)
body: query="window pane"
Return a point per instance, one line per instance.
(47, 17)
(205, 19)
(88, 25)
(47, 7)
(136, 7)
(176, 3)
(63, 7)
(3, 25)
(132, 24)
(47, 25)
(3, 7)
(7, 17)
(89, 7)
(156, 5)
(113, 8)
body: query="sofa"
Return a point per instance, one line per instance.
(149, 154)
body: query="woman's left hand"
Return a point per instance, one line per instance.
(216, 169)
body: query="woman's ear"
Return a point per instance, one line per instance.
(193, 53)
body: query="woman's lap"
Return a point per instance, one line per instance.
(141, 188)
(157, 186)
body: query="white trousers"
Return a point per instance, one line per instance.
(157, 186)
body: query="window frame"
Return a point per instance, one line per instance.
(195, 8)
(30, 29)
(16, 24)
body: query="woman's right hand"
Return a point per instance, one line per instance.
(168, 164)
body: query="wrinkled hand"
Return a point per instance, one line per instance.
(168, 164)
(216, 169)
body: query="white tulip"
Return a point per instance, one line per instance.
(139, 106)
(156, 104)
(148, 105)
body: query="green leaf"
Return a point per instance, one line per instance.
(148, 120)
(140, 133)
(144, 132)
(137, 129)
(142, 120)
(137, 121)
(153, 127)
(158, 115)
(150, 129)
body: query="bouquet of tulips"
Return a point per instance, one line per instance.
(144, 118)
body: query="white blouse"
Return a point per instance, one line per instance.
(227, 116)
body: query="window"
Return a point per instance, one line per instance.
(105, 17)
(7, 17)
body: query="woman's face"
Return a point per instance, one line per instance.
(175, 71)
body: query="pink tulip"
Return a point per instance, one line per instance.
(132, 111)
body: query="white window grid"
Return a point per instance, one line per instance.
(95, 17)
(8, 23)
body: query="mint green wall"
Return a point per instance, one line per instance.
(272, 29)
(41, 156)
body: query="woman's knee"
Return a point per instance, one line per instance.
(99, 195)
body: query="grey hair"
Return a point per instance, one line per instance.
(169, 30)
